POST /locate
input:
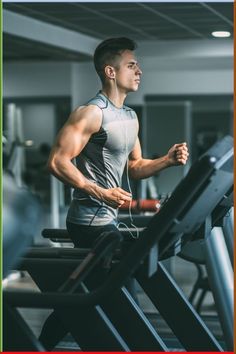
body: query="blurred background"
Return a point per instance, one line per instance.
(186, 93)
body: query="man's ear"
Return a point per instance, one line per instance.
(110, 72)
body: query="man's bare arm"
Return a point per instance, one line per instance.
(140, 168)
(71, 140)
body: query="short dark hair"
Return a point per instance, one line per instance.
(108, 51)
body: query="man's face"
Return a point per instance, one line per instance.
(129, 73)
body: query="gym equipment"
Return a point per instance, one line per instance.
(202, 285)
(191, 205)
(15, 144)
(137, 214)
(21, 215)
(214, 248)
(141, 205)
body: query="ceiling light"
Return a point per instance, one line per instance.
(221, 34)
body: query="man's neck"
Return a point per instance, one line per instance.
(116, 97)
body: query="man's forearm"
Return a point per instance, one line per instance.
(67, 173)
(145, 168)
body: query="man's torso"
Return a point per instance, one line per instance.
(102, 161)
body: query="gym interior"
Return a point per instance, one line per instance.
(182, 259)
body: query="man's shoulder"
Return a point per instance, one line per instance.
(90, 113)
(127, 108)
(130, 110)
(99, 101)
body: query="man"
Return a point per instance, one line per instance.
(102, 136)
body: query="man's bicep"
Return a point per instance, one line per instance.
(71, 141)
(77, 131)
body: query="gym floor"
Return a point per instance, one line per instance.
(185, 274)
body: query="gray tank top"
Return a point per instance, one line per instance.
(102, 161)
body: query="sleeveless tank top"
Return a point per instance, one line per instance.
(102, 161)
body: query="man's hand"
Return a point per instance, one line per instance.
(115, 197)
(178, 154)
